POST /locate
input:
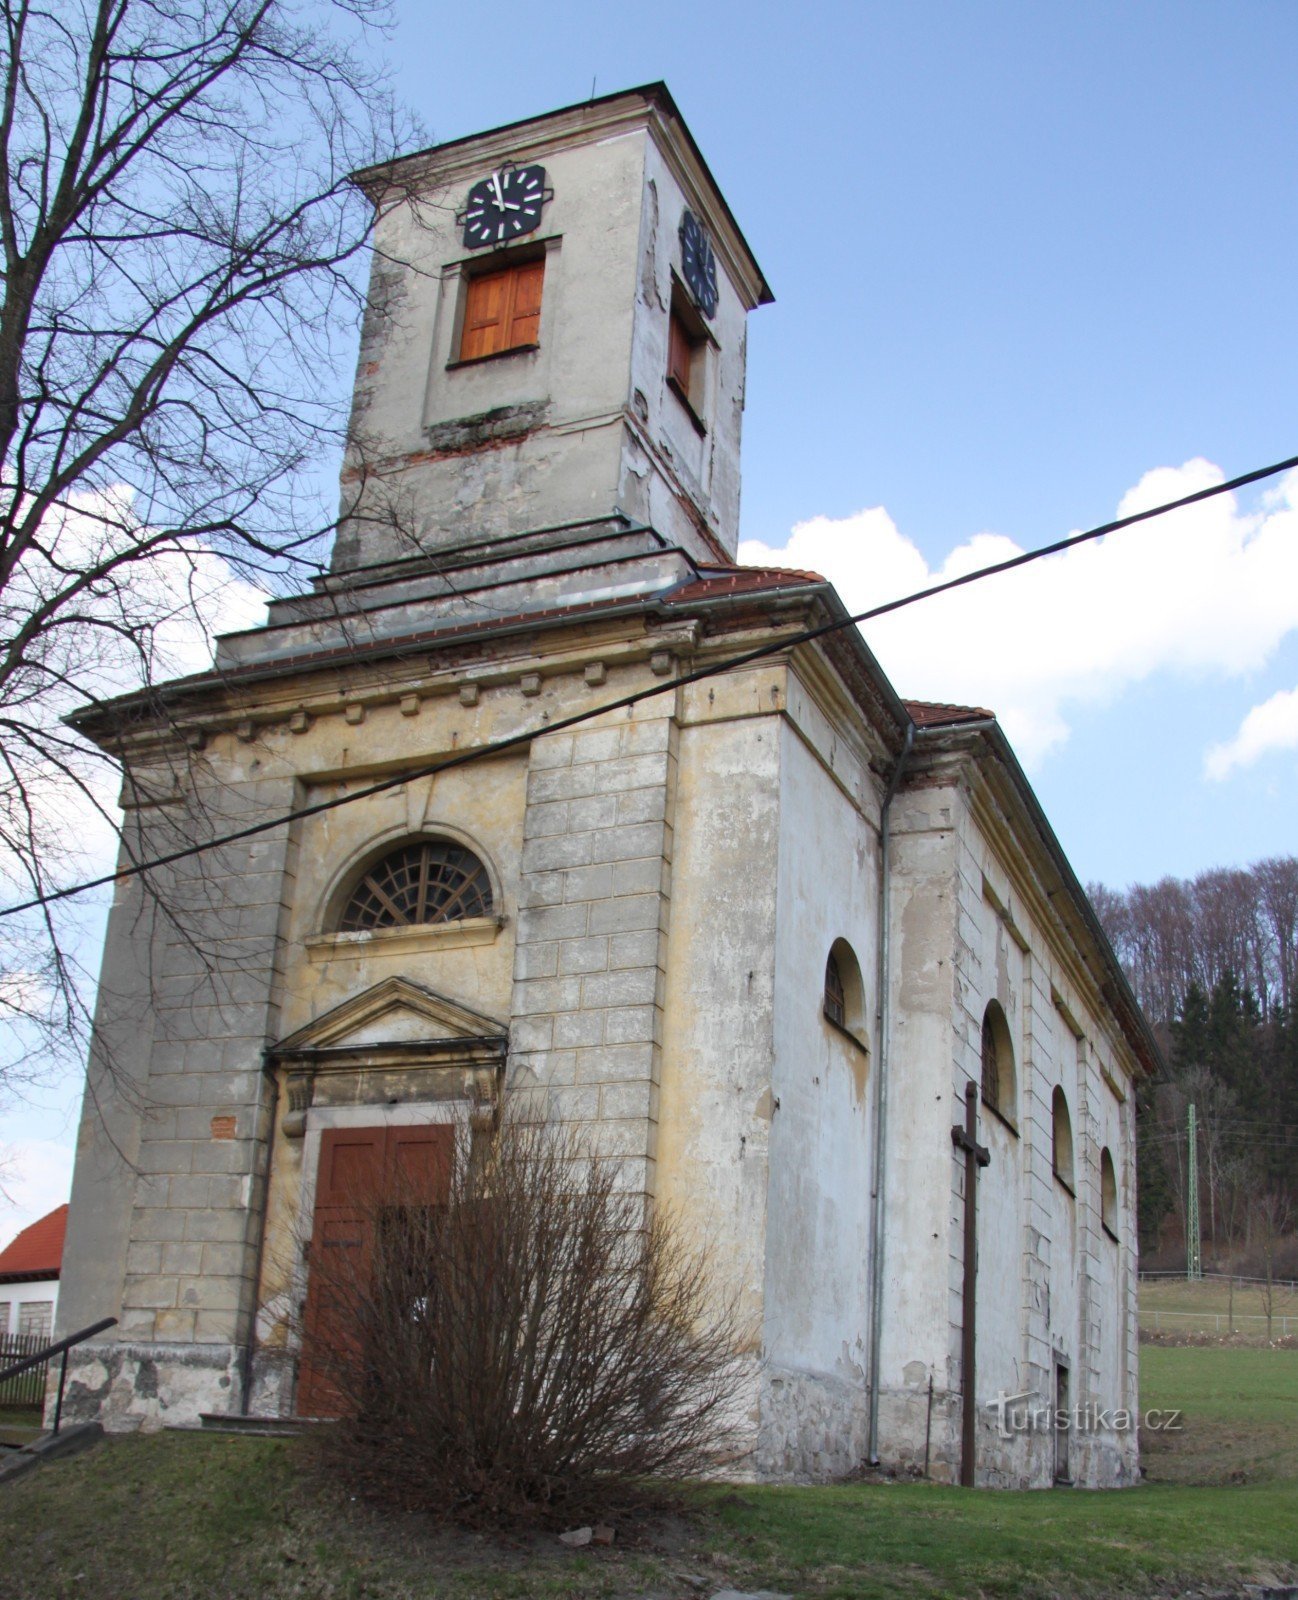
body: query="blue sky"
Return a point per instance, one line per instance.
(1023, 255)
(1027, 258)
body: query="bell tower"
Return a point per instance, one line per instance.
(556, 339)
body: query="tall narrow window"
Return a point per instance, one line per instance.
(991, 1070)
(1108, 1194)
(502, 310)
(1062, 1141)
(835, 1001)
(998, 1085)
(843, 1002)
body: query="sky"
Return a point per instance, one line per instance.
(1033, 267)
(1031, 263)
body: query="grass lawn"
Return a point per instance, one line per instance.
(175, 1516)
(1175, 1305)
(20, 1424)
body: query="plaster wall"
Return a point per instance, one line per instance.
(1054, 1289)
(163, 1231)
(815, 1406)
(914, 1349)
(717, 1105)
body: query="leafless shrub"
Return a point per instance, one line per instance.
(522, 1347)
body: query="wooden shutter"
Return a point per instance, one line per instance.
(679, 355)
(525, 309)
(502, 310)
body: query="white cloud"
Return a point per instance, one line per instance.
(36, 1176)
(1273, 725)
(1206, 590)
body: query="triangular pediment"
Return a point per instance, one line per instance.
(393, 1012)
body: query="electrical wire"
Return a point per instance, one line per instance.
(514, 741)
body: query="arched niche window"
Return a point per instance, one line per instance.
(998, 1079)
(421, 882)
(844, 999)
(1108, 1194)
(1062, 1140)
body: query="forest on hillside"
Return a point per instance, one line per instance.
(1213, 961)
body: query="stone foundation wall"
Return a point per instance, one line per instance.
(143, 1387)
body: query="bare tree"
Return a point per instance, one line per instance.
(509, 1339)
(1273, 1215)
(182, 261)
(1278, 881)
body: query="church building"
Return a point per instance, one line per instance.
(554, 797)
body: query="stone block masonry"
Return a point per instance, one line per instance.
(183, 1288)
(592, 925)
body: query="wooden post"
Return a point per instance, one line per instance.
(976, 1155)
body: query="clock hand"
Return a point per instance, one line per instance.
(500, 198)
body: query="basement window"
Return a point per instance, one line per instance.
(502, 311)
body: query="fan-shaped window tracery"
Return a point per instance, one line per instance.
(430, 881)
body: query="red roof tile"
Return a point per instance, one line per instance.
(37, 1252)
(932, 713)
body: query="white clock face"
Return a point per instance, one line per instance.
(504, 206)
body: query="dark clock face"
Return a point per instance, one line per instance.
(698, 264)
(504, 206)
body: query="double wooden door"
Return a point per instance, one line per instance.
(362, 1171)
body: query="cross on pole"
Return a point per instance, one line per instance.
(976, 1155)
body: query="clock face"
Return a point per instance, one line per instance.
(504, 206)
(698, 264)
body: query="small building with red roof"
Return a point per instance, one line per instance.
(29, 1276)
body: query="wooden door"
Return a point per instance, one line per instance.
(360, 1170)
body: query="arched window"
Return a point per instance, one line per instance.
(998, 1085)
(1108, 1193)
(1062, 1145)
(429, 881)
(835, 1000)
(844, 998)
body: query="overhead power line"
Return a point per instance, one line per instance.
(514, 741)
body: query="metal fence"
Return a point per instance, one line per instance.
(1282, 1323)
(27, 1389)
(1279, 1285)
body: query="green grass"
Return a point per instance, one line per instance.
(1175, 1305)
(176, 1517)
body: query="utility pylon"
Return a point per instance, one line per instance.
(1193, 1246)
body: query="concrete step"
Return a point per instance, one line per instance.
(68, 1441)
(259, 1427)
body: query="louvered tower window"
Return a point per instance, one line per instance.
(433, 881)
